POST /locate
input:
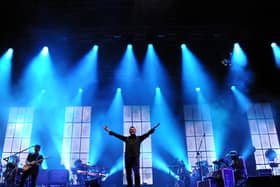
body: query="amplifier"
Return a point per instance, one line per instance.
(264, 172)
(53, 177)
(58, 176)
(42, 177)
(207, 183)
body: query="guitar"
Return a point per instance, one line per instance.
(33, 163)
(94, 174)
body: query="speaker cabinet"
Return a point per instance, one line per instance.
(42, 178)
(58, 176)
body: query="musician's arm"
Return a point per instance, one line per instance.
(41, 158)
(151, 131)
(123, 138)
(147, 134)
(27, 162)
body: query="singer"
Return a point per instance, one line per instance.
(132, 152)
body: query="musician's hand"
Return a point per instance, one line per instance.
(106, 128)
(156, 126)
(33, 162)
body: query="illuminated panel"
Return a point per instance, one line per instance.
(263, 133)
(18, 133)
(76, 138)
(199, 134)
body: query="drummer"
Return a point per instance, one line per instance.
(11, 171)
(79, 166)
(239, 167)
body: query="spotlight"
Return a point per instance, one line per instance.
(95, 47)
(150, 45)
(197, 89)
(183, 46)
(10, 52)
(80, 90)
(45, 51)
(119, 89)
(157, 89)
(129, 46)
(43, 91)
(233, 87)
(273, 44)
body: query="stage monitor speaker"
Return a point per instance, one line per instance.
(263, 181)
(58, 176)
(228, 177)
(264, 172)
(42, 177)
(207, 183)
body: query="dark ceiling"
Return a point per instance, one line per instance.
(143, 20)
(84, 19)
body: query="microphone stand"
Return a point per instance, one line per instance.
(198, 157)
(8, 157)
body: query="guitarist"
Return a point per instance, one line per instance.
(33, 162)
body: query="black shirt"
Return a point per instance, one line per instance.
(35, 157)
(132, 142)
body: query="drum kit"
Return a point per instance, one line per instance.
(88, 175)
(11, 173)
(182, 173)
(202, 170)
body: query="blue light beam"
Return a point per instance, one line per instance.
(114, 121)
(276, 54)
(127, 72)
(238, 73)
(85, 73)
(193, 73)
(153, 71)
(238, 58)
(242, 100)
(5, 72)
(169, 128)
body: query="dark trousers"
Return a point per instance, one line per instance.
(132, 163)
(31, 172)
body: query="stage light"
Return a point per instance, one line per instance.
(273, 44)
(43, 91)
(129, 46)
(119, 89)
(233, 87)
(80, 90)
(45, 51)
(157, 89)
(150, 45)
(183, 46)
(238, 58)
(9, 53)
(197, 89)
(276, 54)
(95, 47)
